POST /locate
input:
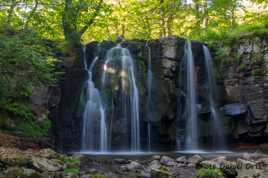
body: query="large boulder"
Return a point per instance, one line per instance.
(47, 165)
(167, 161)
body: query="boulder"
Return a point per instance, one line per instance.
(155, 164)
(133, 166)
(235, 110)
(245, 164)
(158, 173)
(195, 159)
(156, 157)
(46, 165)
(167, 161)
(182, 159)
(48, 153)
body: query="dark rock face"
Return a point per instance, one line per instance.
(243, 80)
(166, 54)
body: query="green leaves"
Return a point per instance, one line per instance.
(25, 63)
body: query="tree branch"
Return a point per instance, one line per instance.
(92, 19)
(31, 14)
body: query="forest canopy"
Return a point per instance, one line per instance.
(89, 20)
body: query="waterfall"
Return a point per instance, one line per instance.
(94, 133)
(191, 103)
(149, 97)
(121, 95)
(218, 128)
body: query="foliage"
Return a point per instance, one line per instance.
(18, 110)
(86, 20)
(209, 173)
(25, 63)
(33, 128)
(71, 160)
(72, 170)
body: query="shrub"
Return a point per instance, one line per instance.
(34, 128)
(209, 173)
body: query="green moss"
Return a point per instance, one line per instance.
(97, 175)
(210, 173)
(257, 72)
(72, 170)
(242, 66)
(71, 162)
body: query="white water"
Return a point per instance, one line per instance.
(191, 104)
(218, 128)
(149, 97)
(119, 66)
(94, 135)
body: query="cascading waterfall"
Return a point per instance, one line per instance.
(191, 100)
(218, 128)
(149, 97)
(94, 134)
(118, 81)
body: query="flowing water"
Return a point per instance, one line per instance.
(191, 100)
(218, 128)
(149, 97)
(112, 113)
(94, 134)
(121, 95)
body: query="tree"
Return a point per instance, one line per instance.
(73, 12)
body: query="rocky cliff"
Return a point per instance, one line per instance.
(243, 71)
(242, 78)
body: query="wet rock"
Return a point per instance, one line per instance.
(71, 175)
(121, 161)
(234, 110)
(156, 157)
(44, 164)
(262, 163)
(145, 174)
(169, 47)
(158, 173)
(167, 161)
(133, 166)
(227, 167)
(245, 164)
(155, 164)
(52, 175)
(182, 159)
(195, 159)
(183, 172)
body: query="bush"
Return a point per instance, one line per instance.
(34, 128)
(209, 173)
(25, 62)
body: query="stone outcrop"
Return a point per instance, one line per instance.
(242, 78)
(244, 73)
